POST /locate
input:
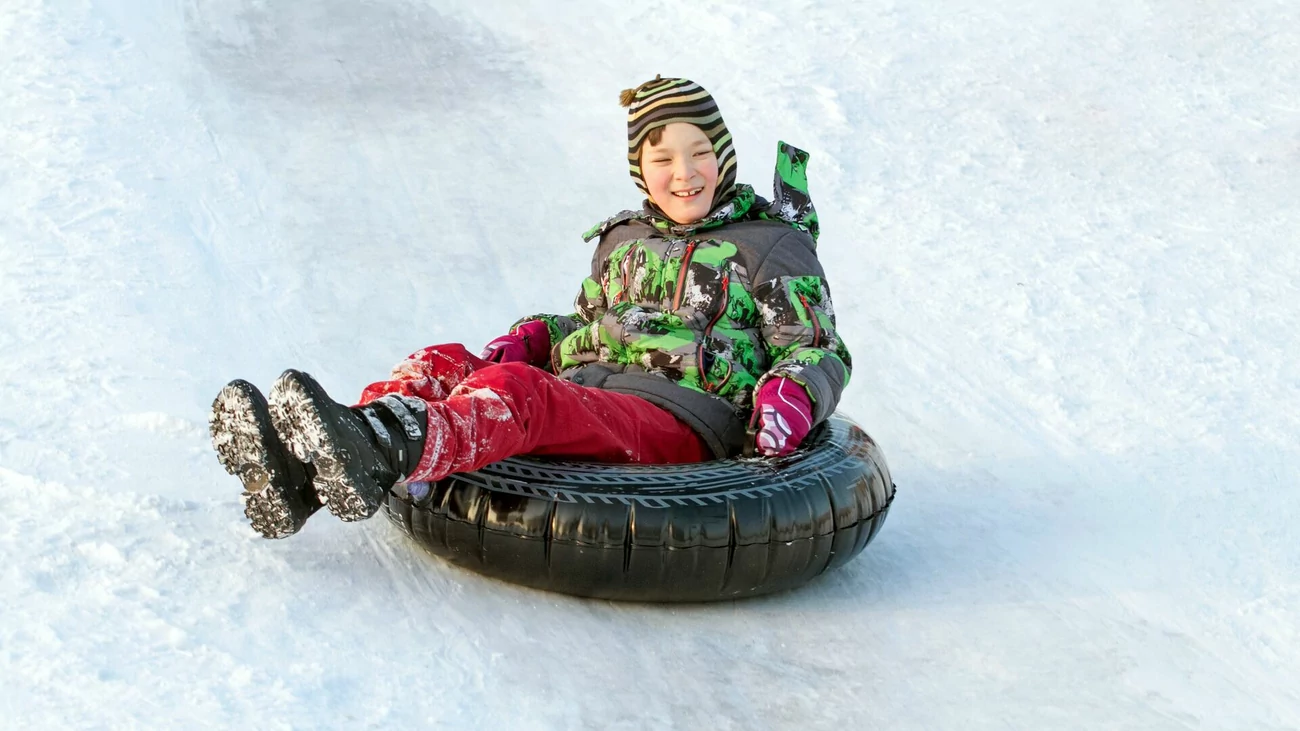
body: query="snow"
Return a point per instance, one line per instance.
(1062, 240)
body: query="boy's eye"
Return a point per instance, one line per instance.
(702, 153)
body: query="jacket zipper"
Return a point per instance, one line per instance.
(812, 317)
(699, 349)
(623, 293)
(681, 275)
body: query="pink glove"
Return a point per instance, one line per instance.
(784, 414)
(529, 343)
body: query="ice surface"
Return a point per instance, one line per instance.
(1062, 241)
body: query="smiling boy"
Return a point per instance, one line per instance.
(705, 312)
(680, 170)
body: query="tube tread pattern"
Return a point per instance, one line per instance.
(678, 533)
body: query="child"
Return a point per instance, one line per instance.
(705, 311)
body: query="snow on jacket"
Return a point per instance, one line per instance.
(694, 318)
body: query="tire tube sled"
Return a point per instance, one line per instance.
(709, 531)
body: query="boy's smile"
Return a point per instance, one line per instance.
(681, 172)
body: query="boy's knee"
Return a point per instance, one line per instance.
(443, 352)
(513, 379)
(519, 371)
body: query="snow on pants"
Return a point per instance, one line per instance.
(482, 412)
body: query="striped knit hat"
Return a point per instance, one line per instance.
(661, 102)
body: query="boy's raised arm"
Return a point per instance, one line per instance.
(589, 305)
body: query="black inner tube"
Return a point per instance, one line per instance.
(700, 532)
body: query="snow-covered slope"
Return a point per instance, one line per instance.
(1062, 239)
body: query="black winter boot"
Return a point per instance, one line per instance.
(278, 495)
(399, 425)
(358, 453)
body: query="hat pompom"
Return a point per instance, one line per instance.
(626, 97)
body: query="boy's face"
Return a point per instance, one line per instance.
(681, 172)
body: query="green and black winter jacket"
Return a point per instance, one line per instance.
(694, 318)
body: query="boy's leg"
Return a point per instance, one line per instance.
(494, 413)
(516, 409)
(429, 374)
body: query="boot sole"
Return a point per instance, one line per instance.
(346, 489)
(244, 439)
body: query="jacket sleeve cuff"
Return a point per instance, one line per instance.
(821, 390)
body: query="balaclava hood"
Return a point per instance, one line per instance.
(661, 102)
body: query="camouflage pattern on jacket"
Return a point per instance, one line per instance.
(715, 308)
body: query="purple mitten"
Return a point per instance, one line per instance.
(784, 414)
(529, 343)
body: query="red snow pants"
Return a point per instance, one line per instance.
(482, 412)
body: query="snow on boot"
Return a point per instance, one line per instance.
(278, 496)
(358, 453)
